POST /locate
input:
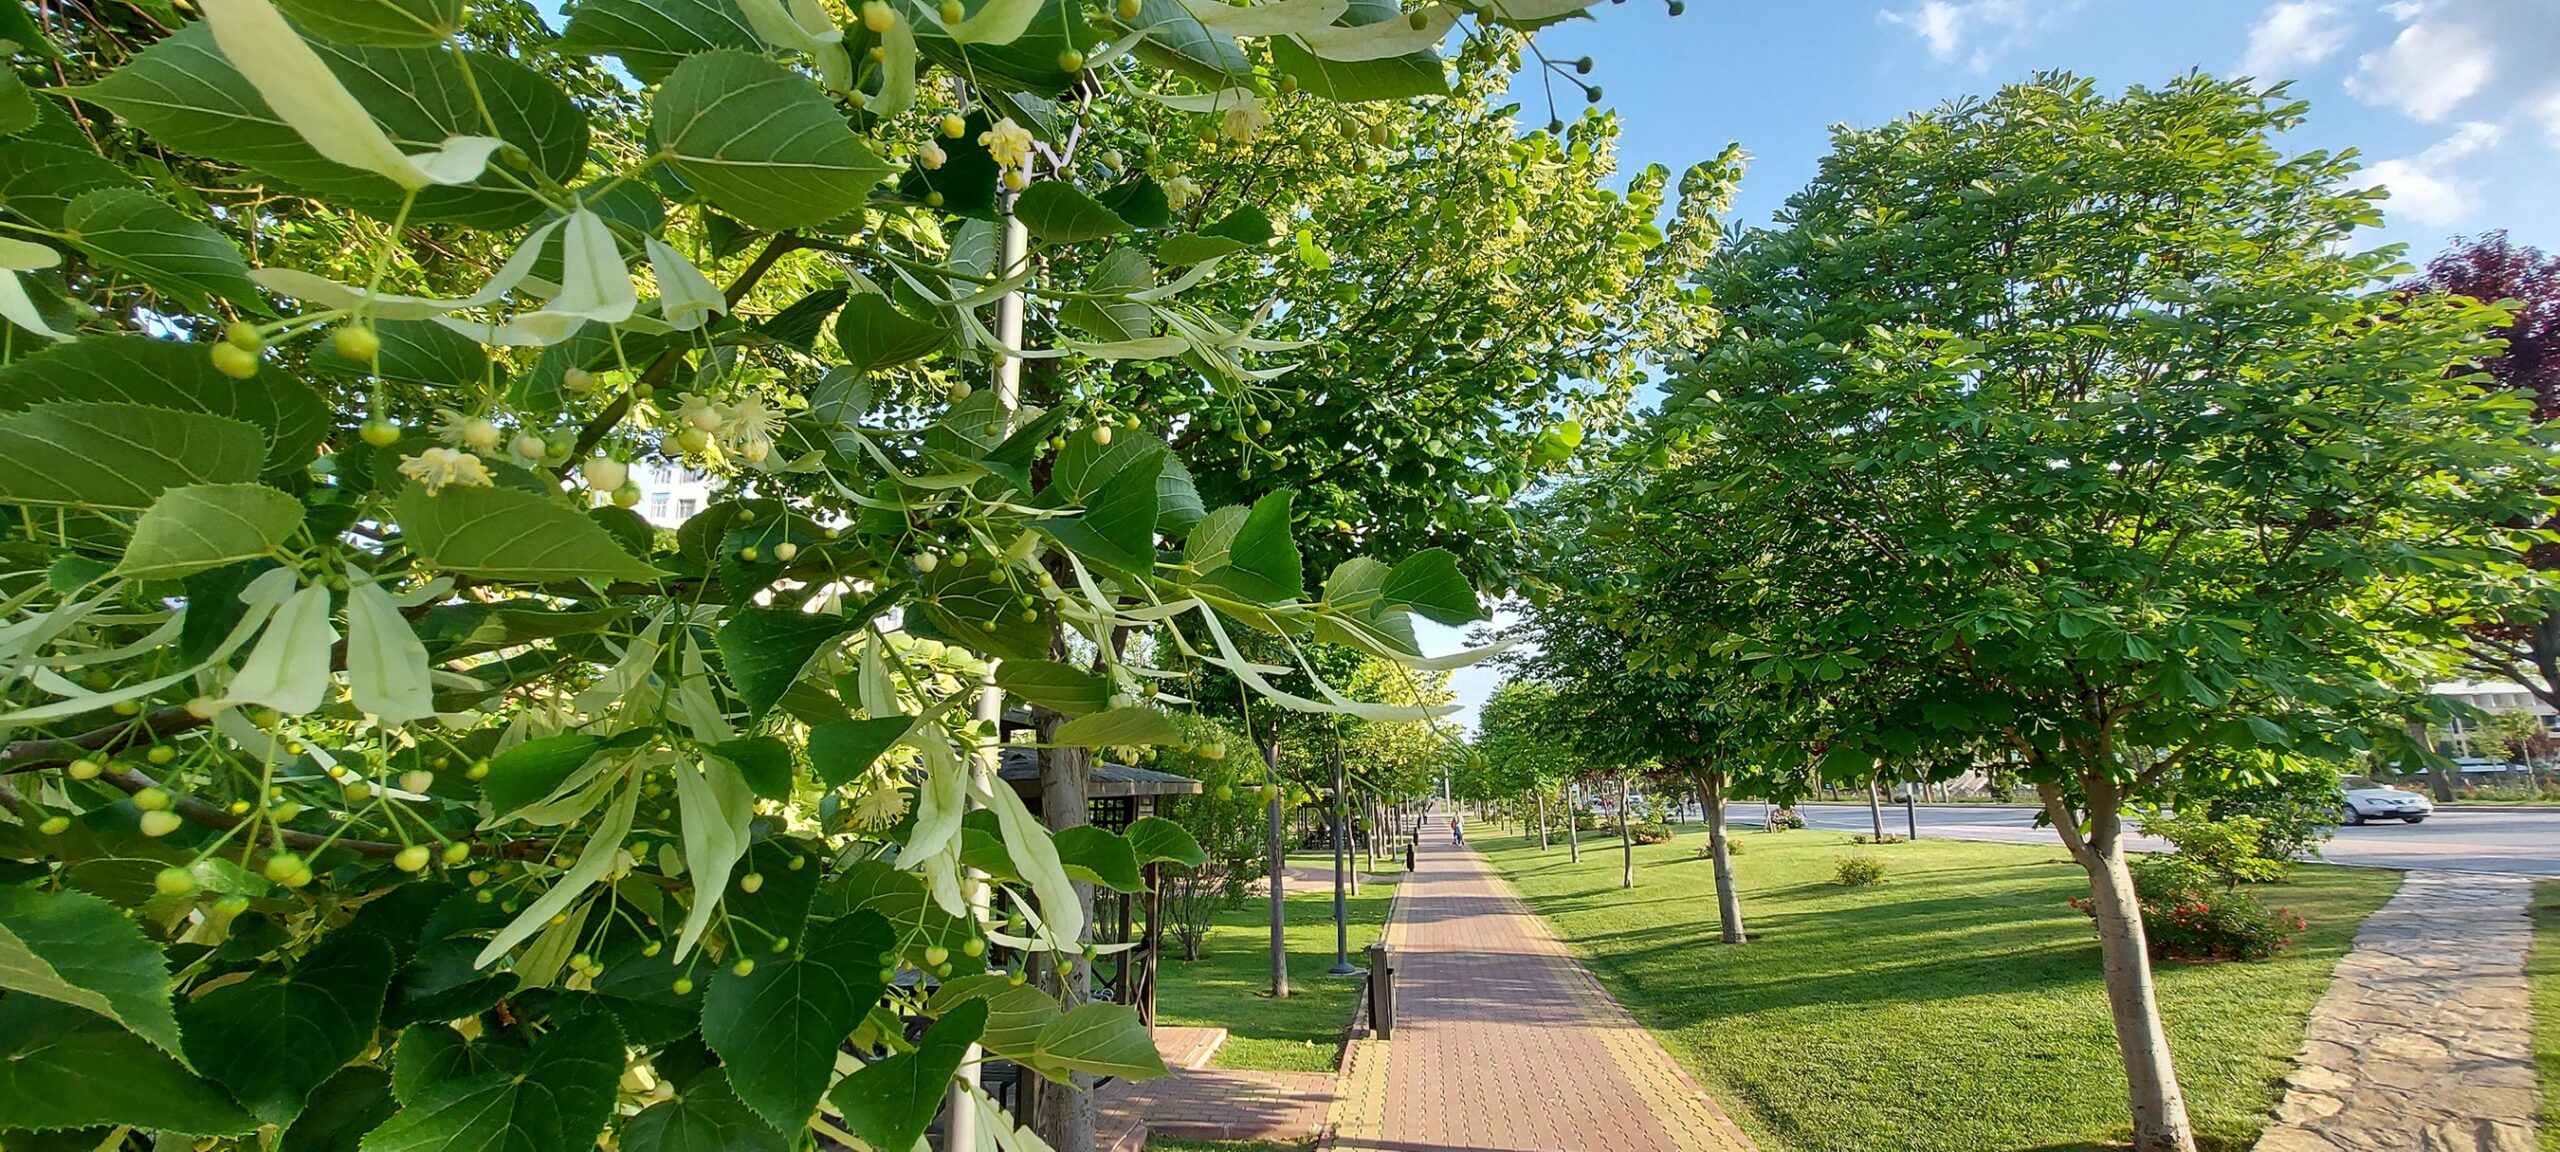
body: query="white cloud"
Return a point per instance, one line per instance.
(2423, 187)
(2546, 112)
(2294, 35)
(1975, 31)
(2460, 56)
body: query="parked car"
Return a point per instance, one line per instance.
(2383, 802)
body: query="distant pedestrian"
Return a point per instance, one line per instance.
(1457, 830)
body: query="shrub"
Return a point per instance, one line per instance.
(1865, 839)
(1650, 832)
(2186, 915)
(1785, 819)
(2232, 851)
(1733, 846)
(1857, 871)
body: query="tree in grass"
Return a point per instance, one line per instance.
(1517, 755)
(2516, 635)
(2080, 418)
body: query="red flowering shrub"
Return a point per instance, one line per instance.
(2187, 916)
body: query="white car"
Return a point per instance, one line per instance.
(2383, 802)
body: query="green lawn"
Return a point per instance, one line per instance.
(2543, 968)
(1226, 987)
(1956, 1007)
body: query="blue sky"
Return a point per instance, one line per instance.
(2453, 104)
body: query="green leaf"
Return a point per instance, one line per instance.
(761, 142)
(531, 772)
(1016, 1013)
(876, 335)
(777, 1028)
(1104, 1039)
(1429, 583)
(355, 1101)
(766, 649)
(1262, 560)
(73, 947)
(178, 376)
(185, 95)
(508, 534)
(1117, 529)
(1099, 856)
(1055, 686)
(1057, 212)
(763, 761)
(891, 1101)
(1120, 727)
(274, 1037)
(558, 1102)
(704, 1117)
(1158, 840)
(1354, 81)
(120, 456)
(840, 751)
(39, 179)
(394, 23)
(131, 231)
(430, 1054)
(442, 982)
(651, 37)
(972, 608)
(61, 1067)
(207, 526)
(1177, 40)
(416, 352)
(1247, 224)
(1189, 248)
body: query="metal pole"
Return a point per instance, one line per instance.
(1279, 871)
(1911, 810)
(1342, 965)
(960, 1114)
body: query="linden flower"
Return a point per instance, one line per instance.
(438, 467)
(749, 428)
(1009, 143)
(1180, 191)
(931, 156)
(1246, 120)
(697, 412)
(880, 805)
(473, 432)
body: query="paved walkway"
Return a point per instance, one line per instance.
(1198, 1102)
(2424, 1040)
(1504, 1042)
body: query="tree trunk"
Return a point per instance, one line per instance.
(1064, 1116)
(2442, 781)
(1573, 821)
(1542, 820)
(1728, 901)
(1875, 807)
(1626, 838)
(1279, 852)
(2159, 1109)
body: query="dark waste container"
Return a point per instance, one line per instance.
(1382, 991)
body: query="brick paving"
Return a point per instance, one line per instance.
(1504, 1042)
(1198, 1102)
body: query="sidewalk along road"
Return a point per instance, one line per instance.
(2512, 840)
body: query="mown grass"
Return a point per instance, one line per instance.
(2543, 969)
(1956, 1007)
(1227, 987)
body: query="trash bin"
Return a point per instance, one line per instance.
(1408, 855)
(1382, 991)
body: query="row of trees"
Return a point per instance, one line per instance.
(378, 777)
(2069, 432)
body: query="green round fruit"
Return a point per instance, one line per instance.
(174, 881)
(379, 432)
(412, 858)
(356, 342)
(234, 361)
(160, 823)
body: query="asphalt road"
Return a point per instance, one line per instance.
(2525, 841)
